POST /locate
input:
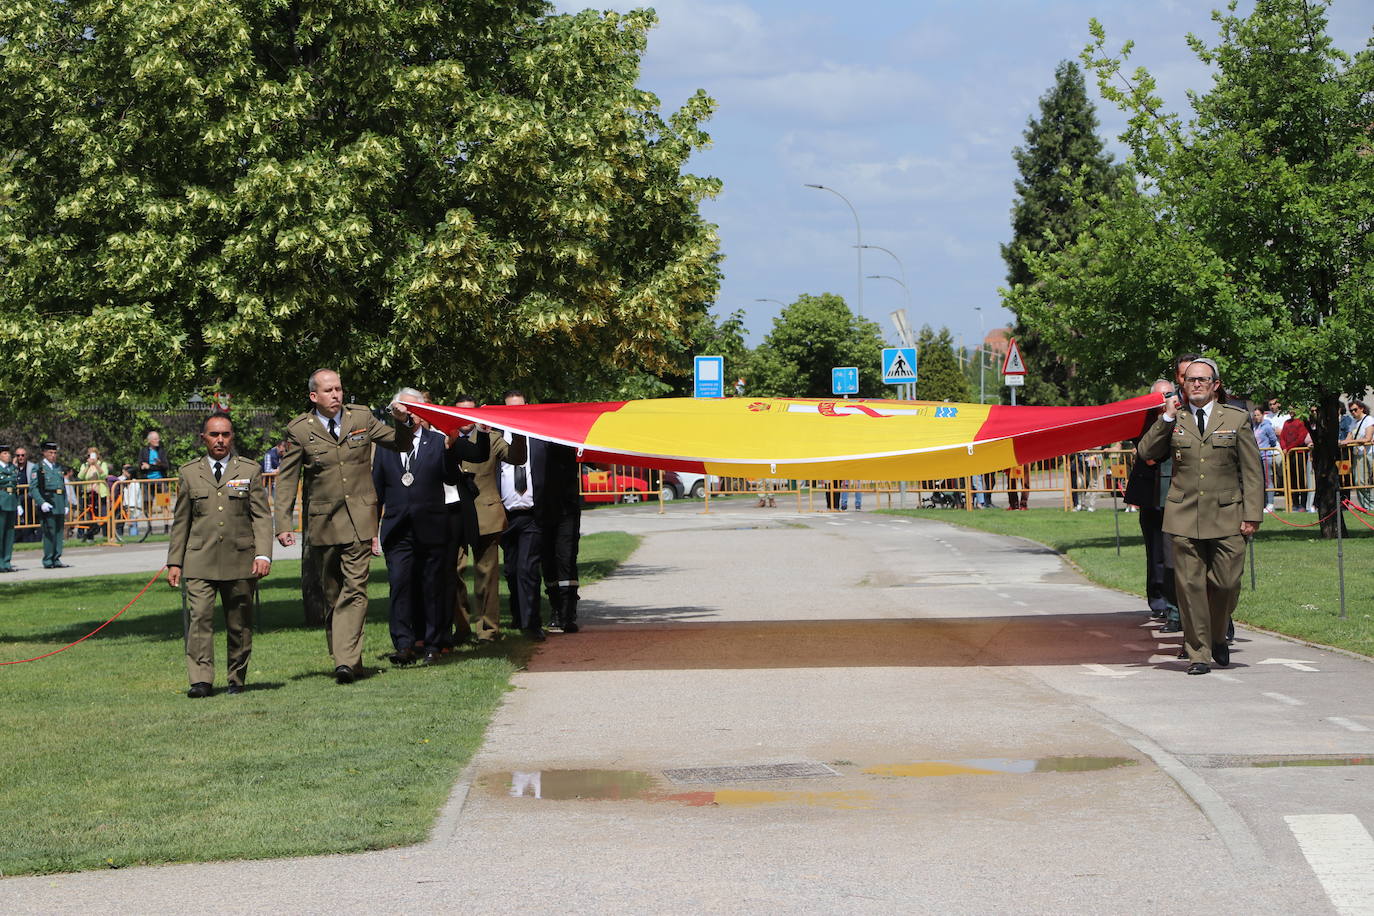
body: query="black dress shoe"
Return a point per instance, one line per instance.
(432, 656)
(570, 626)
(236, 689)
(1183, 652)
(1221, 654)
(344, 675)
(199, 690)
(61, 566)
(404, 656)
(535, 634)
(1198, 668)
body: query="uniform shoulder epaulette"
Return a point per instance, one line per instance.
(190, 463)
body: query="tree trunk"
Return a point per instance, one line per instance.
(1326, 450)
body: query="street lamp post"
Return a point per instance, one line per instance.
(982, 350)
(778, 301)
(859, 249)
(911, 391)
(900, 266)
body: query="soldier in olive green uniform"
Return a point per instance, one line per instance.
(1215, 502)
(329, 449)
(50, 493)
(221, 543)
(9, 508)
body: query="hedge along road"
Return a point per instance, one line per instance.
(983, 730)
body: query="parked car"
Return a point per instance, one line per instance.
(600, 486)
(683, 484)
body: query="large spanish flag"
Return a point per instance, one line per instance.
(811, 439)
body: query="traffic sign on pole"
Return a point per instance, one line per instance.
(844, 380)
(899, 365)
(708, 377)
(1013, 364)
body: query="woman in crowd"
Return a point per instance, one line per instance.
(1360, 439)
(1266, 439)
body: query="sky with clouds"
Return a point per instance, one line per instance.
(908, 109)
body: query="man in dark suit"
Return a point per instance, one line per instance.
(222, 541)
(1143, 490)
(559, 505)
(415, 533)
(522, 493)
(1215, 502)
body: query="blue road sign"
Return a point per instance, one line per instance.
(844, 380)
(708, 377)
(899, 365)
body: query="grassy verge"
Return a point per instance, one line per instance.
(108, 764)
(1297, 589)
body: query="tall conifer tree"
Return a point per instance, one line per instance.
(1062, 149)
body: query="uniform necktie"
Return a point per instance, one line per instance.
(219, 471)
(522, 480)
(1201, 420)
(334, 430)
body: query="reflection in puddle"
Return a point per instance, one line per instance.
(996, 765)
(748, 798)
(1316, 762)
(620, 785)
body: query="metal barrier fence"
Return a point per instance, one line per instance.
(114, 511)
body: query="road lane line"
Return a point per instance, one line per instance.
(1225, 677)
(1341, 853)
(1347, 724)
(1284, 698)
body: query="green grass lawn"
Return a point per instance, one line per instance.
(106, 763)
(1297, 591)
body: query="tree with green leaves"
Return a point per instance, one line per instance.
(452, 195)
(1251, 241)
(939, 377)
(809, 338)
(1062, 153)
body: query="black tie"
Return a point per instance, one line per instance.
(334, 430)
(522, 480)
(218, 471)
(1201, 420)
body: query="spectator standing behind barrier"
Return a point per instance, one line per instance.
(1360, 439)
(221, 544)
(1143, 491)
(482, 620)
(1296, 435)
(9, 508)
(328, 448)
(414, 534)
(560, 530)
(125, 492)
(153, 464)
(49, 488)
(21, 464)
(1209, 517)
(272, 460)
(94, 470)
(1265, 439)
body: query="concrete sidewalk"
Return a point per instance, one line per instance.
(989, 733)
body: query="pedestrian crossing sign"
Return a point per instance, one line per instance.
(899, 365)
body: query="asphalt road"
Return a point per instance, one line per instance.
(956, 722)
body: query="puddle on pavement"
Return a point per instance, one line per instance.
(622, 785)
(999, 765)
(1316, 762)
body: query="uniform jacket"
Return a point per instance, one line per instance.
(218, 528)
(421, 504)
(336, 477)
(1218, 481)
(486, 479)
(9, 487)
(49, 487)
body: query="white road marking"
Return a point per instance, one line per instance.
(1225, 677)
(832, 523)
(1042, 611)
(1296, 664)
(1019, 603)
(1097, 633)
(1341, 853)
(1284, 698)
(1067, 623)
(1347, 724)
(1104, 671)
(1137, 647)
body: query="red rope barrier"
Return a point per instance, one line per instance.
(131, 603)
(1358, 510)
(1280, 520)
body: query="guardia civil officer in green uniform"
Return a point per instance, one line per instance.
(221, 543)
(1215, 502)
(50, 493)
(329, 451)
(9, 508)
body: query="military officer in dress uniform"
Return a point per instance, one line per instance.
(9, 508)
(50, 490)
(1215, 502)
(329, 449)
(221, 543)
